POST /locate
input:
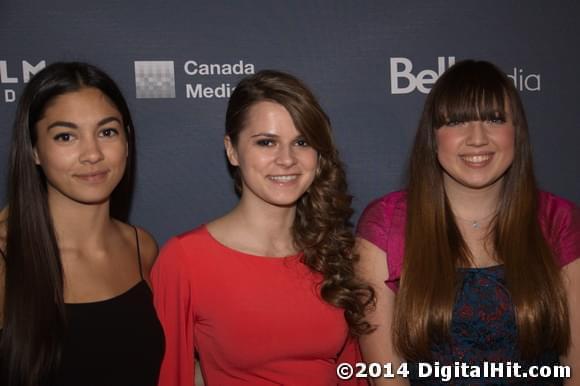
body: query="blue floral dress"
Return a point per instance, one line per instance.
(483, 329)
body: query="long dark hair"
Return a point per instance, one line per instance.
(34, 314)
(434, 246)
(321, 228)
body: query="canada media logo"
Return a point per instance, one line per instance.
(154, 79)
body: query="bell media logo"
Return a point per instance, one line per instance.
(405, 79)
(155, 79)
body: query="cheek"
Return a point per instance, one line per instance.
(310, 159)
(117, 153)
(446, 145)
(505, 141)
(249, 160)
(54, 160)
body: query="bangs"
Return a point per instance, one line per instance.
(470, 96)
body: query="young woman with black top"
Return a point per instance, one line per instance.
(76, 308)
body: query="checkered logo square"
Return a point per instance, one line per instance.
(155, 79)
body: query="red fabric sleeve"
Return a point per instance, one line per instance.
(568, 243)
(351, 354)
(172, 296)
(383, 224)
(560, 221)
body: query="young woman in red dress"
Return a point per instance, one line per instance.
(266, 294)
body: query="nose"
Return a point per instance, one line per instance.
(91, 151)
(285, 156)
(477, 135)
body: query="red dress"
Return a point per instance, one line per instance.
(252, 320)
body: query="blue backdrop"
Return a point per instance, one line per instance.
(369, 62)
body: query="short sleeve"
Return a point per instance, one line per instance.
(383, 224)
(560, 220)
(372, 225)
(172, 296)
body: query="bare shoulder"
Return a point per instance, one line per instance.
(147, 246)
(219, 225)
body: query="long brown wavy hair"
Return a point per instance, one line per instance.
(434, 246)
(321, 229)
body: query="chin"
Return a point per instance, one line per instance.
(285, 202)
(481, 184)
(90, 199)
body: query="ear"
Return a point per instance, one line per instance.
(231, 151)
(35, 154)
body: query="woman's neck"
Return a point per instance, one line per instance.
(78, 225)
(261, 228)
(473, 204)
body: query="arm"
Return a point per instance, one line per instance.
(173, 301)
(571, 276)
(378, 346)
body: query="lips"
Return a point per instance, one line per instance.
(92, 177)
(283, 178)
(287, 178)
(477, 160)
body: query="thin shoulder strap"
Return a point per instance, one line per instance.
(138, 252)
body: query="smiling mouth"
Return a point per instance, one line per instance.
(287, 178)
(477, 159)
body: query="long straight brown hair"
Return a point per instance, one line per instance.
(434, 246)
(33, 330)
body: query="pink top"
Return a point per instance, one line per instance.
(253, 320)
(383, 224)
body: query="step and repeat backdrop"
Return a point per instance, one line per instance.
(371, 64)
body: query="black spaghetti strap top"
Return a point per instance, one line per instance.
(114, 342)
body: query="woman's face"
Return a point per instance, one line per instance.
(475, 154)
(81, 146)
(275, 162)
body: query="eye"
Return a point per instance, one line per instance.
(63, 137)
(496, 121)
(265, 142)
(453, 123)
(109, 132)
(301, 142)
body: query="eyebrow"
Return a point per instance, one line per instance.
(71, 125)
(269, 135)
(108, 120)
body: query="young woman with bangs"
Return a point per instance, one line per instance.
(472, 262)
(75, 305)
(266, 295)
